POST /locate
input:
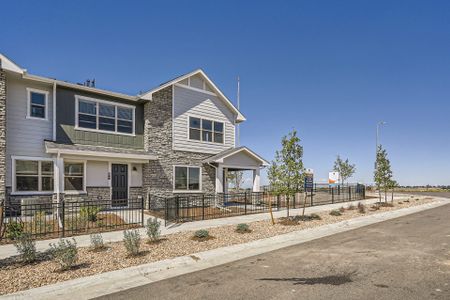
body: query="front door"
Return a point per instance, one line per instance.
(119, 185)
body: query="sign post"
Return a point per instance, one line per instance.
(308, 186)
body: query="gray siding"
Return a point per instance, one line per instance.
(65, 123)
(25, 137)
(188, 102)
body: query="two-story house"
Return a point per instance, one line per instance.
(60, 140)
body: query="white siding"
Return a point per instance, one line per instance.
(25, 137)
(188, 102)
(97, 173)
(241, 159)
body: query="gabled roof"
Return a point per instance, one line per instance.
(7, 64)
(219, 157)
(148, 95)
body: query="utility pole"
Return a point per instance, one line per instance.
(238, 107)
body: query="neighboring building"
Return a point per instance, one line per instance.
(60, 140)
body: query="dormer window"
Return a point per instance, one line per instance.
(104, 116)
(37, 104)
(205, 130)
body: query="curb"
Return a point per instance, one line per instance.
(115, 281)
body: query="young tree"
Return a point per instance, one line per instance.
(383, 173)
(286, 171)
(345, 169)
(392, 185)
(236, 178)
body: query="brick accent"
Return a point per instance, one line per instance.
(158, 174)
(2, 135)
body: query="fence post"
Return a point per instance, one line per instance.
(203, 206)
(142, 211)
(245, 202)
(350, 193)
(63, 214)
(332, 195)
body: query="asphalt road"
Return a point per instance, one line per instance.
(404, 258)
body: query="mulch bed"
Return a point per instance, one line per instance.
(16, 276)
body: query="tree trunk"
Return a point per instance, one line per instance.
(287, 205)
(385, 195)
(392, 196)
(379, 193)
(270, 210)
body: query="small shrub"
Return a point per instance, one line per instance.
(14, 230)
(132, 241)
(76, 223)
(361, 208)
(315, 217)
(341, 209)
(26, 246)
(335, 213)
(89, 213)
(387, 204)
(201, 234)
(351, 207)
(243, 228)
(375, 207)
(65, 252)
(153, 229)
(97, 241)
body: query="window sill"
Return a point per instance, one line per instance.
(31, 193)
(36, 118)
(75, 192)
(187, 192)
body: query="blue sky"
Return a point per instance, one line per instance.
(330, 69)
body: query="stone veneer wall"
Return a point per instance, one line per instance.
(158, 174)
(2, 135)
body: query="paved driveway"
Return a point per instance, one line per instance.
(404, 258)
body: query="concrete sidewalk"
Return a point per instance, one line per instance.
(116, 236)
(115, 281)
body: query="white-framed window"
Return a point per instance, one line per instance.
(205, 130)
(104, 116)
(187, 178)
(74, 176)
(37, 104)
(33, 175)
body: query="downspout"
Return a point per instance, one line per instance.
(54, 111)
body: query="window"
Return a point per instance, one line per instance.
(105, 116)
(33, 176)
(187, 178)
(74, 177)
(37, 104)
(205, 130)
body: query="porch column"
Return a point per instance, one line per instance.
(225, 180)
(219, 179)
(256, 180)
(59, 177)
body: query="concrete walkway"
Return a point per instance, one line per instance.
(115, 281)
(116, 236)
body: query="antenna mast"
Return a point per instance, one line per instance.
(238, 107)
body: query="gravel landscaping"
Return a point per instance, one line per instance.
(16, 276)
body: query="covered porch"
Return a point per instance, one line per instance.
(236, 159)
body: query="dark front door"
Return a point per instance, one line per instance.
(119, 185)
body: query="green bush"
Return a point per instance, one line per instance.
(14, 230)
(132, 241)
(26, 246)
(201, 234)
(243, 228)
(97, 241)
(65, 253)
(315, 217)
(335, 212)
(89, 213)
(153, 229)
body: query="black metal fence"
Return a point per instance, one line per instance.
(68, 218)
(203, 207)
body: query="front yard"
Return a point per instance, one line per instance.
(16, 275)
